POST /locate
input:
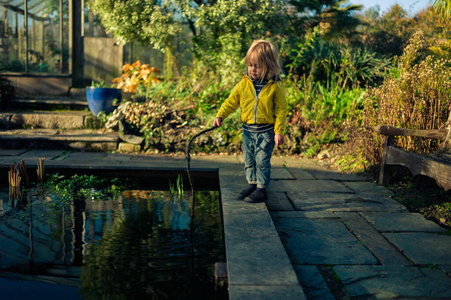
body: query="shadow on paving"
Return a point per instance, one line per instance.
(345, 237)
(348, 238)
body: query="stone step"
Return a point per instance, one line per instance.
(46, 119)
(48, 103)
(81, 139)
(74, 100)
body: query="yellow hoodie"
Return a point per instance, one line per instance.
(269, 108)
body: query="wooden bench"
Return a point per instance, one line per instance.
(436, 165)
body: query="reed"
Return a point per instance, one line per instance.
(14, 177)
(14, 180)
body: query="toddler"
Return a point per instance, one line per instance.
(261, 98)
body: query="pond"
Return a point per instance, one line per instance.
(133, 245)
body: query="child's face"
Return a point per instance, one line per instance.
(254, 69)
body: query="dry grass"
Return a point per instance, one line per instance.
(417, 95)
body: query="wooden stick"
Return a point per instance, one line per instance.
(10, 175)
(23, 170)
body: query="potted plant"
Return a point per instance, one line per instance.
(102, 97)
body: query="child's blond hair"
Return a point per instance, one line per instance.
(267, 56)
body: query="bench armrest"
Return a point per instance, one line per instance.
(439, 134)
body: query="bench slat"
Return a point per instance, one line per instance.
(439, 134)
(419, 164)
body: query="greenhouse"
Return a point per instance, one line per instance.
(44, 47)
(34, 36)
(49, 46)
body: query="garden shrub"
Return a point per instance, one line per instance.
(316, 113)
(325, 82)
(325, 60)
(416, 95)
(174, 110)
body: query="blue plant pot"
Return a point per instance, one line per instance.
(101, 99)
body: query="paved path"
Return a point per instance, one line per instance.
(321, 234)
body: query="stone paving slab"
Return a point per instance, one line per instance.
(294, 162)
(372, 239)
(315, 287)
(281, 174)
(277, 173)
(165, 166)
(256, 257)
(304, 214)
(278, 201)
(152, 157)
(240, 207)
(318, 201)
(257, 263)
(285, 161)
(12, 152)
(300, 174)
(233, 184)
(322, 174)
(423, 248)
(46, 154)
(342, 202)
(389, 222)
(307, 186)
(235, 171)
(255, 260)
(310, 241)
(218, 158)
(389, 282)
(264, 292)
(197, 163)
(29, 162)
(89, 165)
(369, 189)
(82, 157)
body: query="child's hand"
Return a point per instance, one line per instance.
(217, 122)
(278, 139)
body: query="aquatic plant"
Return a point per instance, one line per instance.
(84, 186)
(177, 187)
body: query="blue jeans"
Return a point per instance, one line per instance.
(257, 151)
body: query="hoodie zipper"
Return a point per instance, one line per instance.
(256, 104)
(256, 99)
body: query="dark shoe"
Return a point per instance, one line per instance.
(259, 195)
(247, 191)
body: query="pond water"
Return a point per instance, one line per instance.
(137, 246)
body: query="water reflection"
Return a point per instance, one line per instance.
(135, 246)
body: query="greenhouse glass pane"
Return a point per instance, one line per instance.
(44, 45)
